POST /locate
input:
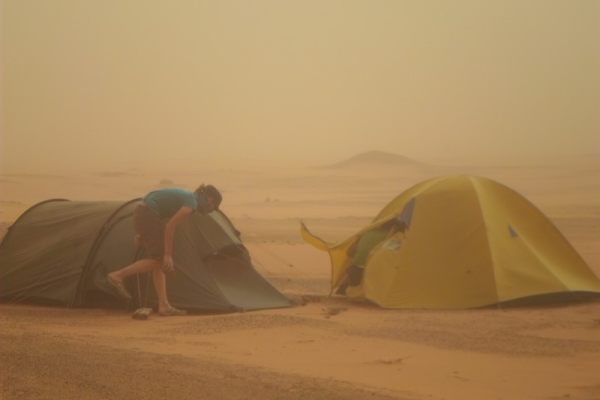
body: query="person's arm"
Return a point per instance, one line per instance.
(170, 227)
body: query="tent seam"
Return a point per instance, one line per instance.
(531, 249)
(104, 230)
(477, 189)
(10, 228)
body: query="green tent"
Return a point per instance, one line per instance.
(58, 253)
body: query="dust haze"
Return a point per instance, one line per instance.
(155, 85)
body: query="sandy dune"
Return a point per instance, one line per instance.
(324, 348)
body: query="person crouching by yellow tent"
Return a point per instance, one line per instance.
(363, 247)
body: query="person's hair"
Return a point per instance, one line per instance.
(210, 191)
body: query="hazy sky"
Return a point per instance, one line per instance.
(114, 84)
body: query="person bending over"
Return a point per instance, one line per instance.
(155, 221)
(362, 249)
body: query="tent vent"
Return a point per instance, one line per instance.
(407, 212)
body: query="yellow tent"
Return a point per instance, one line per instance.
(470, 242)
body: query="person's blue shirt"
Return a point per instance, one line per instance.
(166, 202)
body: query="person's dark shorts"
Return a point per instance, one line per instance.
(151, 228)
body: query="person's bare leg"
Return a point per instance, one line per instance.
(137, 267)
(160, 286)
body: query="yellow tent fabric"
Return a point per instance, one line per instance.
(470, 242)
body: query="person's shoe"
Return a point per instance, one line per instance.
(119, 287)
(142, 313)
(172, 312)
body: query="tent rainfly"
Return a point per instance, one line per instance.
(469, 242)
(58, 253)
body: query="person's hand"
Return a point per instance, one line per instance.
(168, 265)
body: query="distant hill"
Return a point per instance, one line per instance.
(375, 158)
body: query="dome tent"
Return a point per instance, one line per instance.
(58, 253)
(469, 242)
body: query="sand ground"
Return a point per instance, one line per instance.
(324, 348)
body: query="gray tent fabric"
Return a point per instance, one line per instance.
(59, 252)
